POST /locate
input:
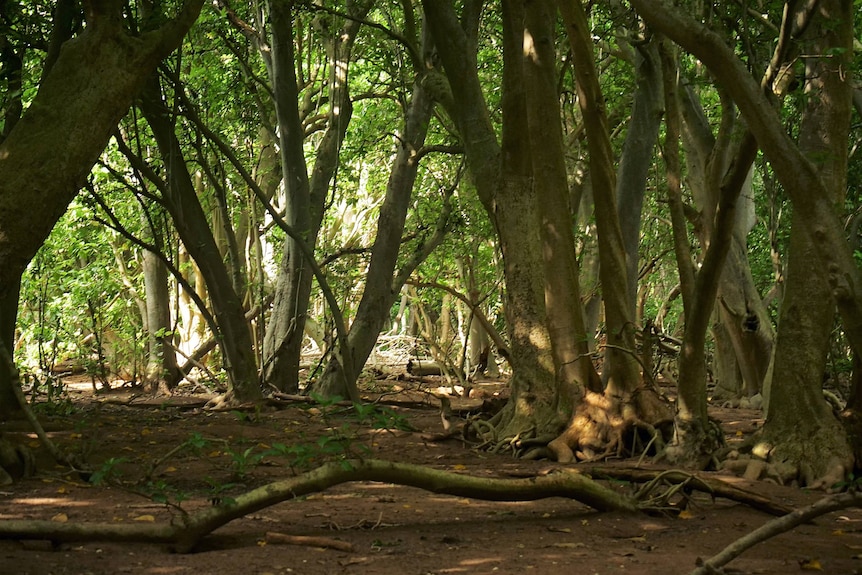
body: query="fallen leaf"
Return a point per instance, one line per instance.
(170, 469)
(810, 565)
(145, 518)
(685, 514)
(60, 518)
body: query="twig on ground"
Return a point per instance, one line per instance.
(275, 538)
(776, 527)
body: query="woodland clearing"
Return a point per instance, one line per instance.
(375, 528)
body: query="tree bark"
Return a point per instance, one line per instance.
(381, 290)
(501, 175)
(800, 427)
(50, 151)
(182, 203)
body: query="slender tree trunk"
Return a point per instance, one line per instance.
(636, 159)
(380, 291)
(160, 373)
(800, 426)
(190, 220)
(52, 148)
(305, 197)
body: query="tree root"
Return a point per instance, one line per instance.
(693, 481)
(775, 527)
(184, 534)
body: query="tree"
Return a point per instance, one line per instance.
(800, 430)
(381, 288)
(305, 198)
(50, 150)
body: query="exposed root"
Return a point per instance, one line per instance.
(694, 445)
(606, 427)
(227, 402)
(711, 485)
(821, 459)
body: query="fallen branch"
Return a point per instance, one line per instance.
(184, 534)
(776, 527)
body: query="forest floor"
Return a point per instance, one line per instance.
(393, 530)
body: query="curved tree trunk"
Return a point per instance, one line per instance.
(51, 149)
(800, 427)
(748, 351)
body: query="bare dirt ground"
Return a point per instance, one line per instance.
(392, 530)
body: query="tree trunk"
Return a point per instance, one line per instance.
(161, 371)
(182, 203)
(636, 158)
(798, 176)
(572, 360)
(598, 425)
(800, 427)
(501, 175)
(750, 349)
(304, 199)
(381, 291)
(49, 152)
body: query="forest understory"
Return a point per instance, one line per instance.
(153, 460)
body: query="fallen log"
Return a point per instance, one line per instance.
(185, 533)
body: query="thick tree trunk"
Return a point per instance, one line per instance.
(800, 427)
(50, 151)
(501, 175)
(572, 360)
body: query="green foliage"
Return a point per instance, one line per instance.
(109, 471)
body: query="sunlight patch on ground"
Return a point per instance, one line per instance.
(468, 565)
(51, 501)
